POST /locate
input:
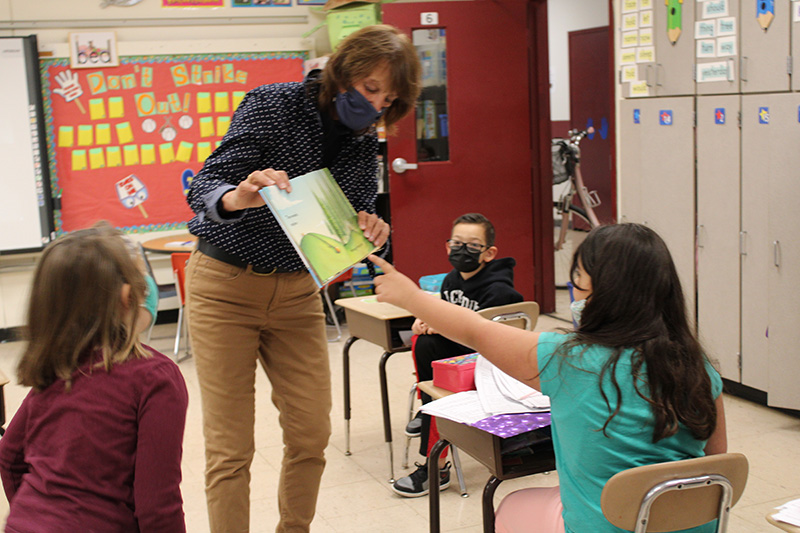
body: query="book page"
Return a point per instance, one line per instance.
(321, 224)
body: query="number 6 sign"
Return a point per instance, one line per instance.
(429, 19)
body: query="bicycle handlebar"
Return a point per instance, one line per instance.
(575, 136)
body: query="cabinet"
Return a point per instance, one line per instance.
(770, 263)
(718, 214)
(657, 175)
(765, 61)
(732, 173)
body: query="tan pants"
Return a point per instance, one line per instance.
(237, 317)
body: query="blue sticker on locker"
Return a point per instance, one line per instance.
(665, 117)
(763, 115)
(719, 115)
(636, 114)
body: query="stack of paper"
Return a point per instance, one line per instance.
(497, 394)
(789, 513)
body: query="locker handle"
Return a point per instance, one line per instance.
(656, 69)
(742, 242)
(776, 252)
(699, 229)
(743, 69)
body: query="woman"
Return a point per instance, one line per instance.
(250, 297)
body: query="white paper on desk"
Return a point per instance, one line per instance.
(463, 407)
(499, 393)
(789, 513)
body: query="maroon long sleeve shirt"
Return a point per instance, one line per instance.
(105, 456)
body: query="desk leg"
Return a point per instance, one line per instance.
(346, 362)
(387, 421)
(488, 504)
(433, 482)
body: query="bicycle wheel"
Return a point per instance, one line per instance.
(574, 236)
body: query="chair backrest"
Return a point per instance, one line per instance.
(179, 260)
(521, 315)
(658, 497)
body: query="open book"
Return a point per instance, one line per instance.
(320, 223)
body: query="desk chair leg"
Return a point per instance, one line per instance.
(411, 395)
(332, 310)
(488, 504)
(178, 333)
(433, 473)
(459, 472)
(346, 371)
(387, 422)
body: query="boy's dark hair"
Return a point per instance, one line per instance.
(477, 218)
(637, 303)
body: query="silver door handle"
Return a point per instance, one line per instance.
(400, 165)
(776, 253)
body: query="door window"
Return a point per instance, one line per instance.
(432, 126)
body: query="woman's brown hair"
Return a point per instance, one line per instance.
(76, 307)
(361, 53)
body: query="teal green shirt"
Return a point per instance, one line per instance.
(585, 457)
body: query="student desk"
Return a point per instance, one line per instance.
(183, 242)
(378, 323)
(781, 525)
(485, 448)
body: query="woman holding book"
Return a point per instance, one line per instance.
(250, 297)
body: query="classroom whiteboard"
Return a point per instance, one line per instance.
(25, 205)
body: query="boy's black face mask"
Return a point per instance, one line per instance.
(465, 261)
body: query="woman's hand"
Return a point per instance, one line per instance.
(375, 229)
(246, 194)
(392, 287)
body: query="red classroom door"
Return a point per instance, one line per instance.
(487, 138)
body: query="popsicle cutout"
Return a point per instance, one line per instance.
(132, 193)
(66, 136)
(113, 156)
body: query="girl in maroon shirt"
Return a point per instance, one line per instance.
(96, 444)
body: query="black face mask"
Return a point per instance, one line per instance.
(465, 261)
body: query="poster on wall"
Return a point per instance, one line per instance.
(93, 50)
(124, 142)
(192, 3)
(261, 3)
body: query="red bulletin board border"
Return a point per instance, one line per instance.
(123, 149)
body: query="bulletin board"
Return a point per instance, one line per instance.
(125, 142)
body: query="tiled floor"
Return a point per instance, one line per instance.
(355, 495)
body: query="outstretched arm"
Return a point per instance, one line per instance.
(510, 349)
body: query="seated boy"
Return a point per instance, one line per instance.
(477, 281)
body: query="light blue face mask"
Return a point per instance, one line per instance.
(355, 111)
(576, 308)
(151, 298)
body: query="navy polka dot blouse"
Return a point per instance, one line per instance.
(276, 126)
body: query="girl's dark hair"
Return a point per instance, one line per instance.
(361, 53)
(76, 307)
(637, 303)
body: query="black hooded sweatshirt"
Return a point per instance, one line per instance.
(492, 286)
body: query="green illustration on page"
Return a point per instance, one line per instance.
(320, 223)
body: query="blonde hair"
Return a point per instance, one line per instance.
(76, 307)
(361, 53)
